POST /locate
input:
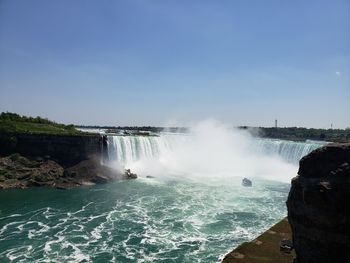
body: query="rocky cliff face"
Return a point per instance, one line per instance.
(17, 171)
(319, 206)
(60, 161)
(65, 150)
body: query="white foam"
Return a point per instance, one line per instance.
(211, 149)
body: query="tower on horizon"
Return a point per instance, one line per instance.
(275, 123)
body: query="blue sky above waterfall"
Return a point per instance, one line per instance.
(154, 62)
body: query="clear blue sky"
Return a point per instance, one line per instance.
(156, 62)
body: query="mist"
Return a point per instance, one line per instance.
(212, 149)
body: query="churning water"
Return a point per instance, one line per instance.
(194, 210)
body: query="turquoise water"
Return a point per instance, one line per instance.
(195, 210)
(144, 220)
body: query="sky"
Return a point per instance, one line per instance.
(169, 63)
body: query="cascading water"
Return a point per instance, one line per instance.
(197, 214)
(289, 151)
(127, 149)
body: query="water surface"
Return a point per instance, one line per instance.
(143, 220)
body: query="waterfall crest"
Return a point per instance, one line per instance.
(126, 149)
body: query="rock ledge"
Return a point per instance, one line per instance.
(319, 206)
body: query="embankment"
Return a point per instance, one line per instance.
(61, 161)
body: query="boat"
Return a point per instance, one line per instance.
(246, 182)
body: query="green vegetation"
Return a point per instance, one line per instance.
(15, 123)
(302, 134)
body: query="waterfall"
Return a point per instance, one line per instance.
(126, 149)
(289, 151)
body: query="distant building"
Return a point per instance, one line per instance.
(276, 123)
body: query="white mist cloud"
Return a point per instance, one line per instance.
(213, 150)
(337, 73)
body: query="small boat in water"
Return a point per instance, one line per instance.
(246, 182)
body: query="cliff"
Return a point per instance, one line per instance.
(318, 206)
(51, 160)
(17, 171)
(67, 150)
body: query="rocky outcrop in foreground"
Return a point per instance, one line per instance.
(319, 206)
(17, 171)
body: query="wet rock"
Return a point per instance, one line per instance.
(319, 208)
(129, 174)
(94, 171)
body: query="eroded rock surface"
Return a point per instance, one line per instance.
(319, 206)
(93, 171)
(17, 171)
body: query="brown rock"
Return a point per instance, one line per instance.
(93, 171)
(17, 171)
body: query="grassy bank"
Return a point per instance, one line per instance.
(15, 123)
